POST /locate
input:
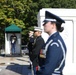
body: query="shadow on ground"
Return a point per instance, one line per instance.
(21, 69)
(16, 69)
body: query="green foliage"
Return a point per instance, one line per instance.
(23, 13)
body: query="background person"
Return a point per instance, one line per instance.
(30, 45)
(13, 39)
(38, 44)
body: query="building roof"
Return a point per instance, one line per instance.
(12, 28)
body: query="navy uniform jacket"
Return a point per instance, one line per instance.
(55, 56)
(30, 46)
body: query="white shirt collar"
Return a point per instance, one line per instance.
(52, 33)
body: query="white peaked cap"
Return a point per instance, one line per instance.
(37, 29)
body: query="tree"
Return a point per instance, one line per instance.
(24, 12)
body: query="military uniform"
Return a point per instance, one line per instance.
(37, 45)
(55, 48)
(30, 46)
(39, 42)
(55, 56)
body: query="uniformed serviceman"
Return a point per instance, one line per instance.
(38, 44)
(30, 43)
(55, 48)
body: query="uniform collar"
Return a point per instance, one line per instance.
(52, 33)
(52, 36)
(38, 37)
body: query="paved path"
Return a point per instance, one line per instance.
(14, 66)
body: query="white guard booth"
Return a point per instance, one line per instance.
(69, 35)
(8, 32)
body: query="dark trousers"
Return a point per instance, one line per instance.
(13, 48)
